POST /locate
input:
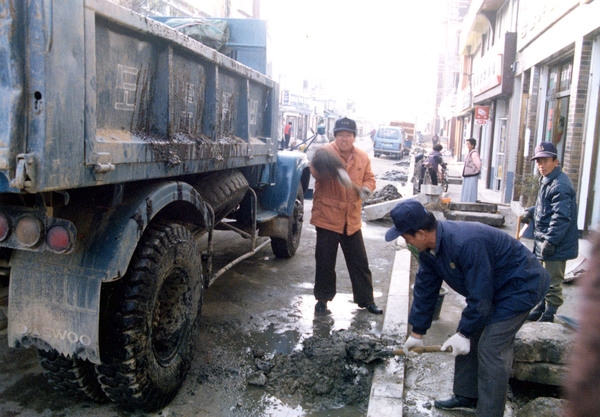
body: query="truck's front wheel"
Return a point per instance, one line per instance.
(286, 248)
(146, 334)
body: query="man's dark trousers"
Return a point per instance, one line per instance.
(356, 260)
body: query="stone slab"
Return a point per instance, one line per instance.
(543, 342)
(380, 210)
(492, 219)
(539, 372)
(476, 207)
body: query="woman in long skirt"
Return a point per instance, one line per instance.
(471, 170)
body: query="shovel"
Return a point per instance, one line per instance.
(329, 165)
(400, 351)
(521, 229)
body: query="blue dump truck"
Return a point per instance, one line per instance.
(125, 146)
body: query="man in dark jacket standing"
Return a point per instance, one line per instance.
(554, 221)
(501, 281)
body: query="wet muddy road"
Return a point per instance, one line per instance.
(257, 312)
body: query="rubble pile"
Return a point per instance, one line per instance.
(387, 193)
(400, 176)
(328, 372)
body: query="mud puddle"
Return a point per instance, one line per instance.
(328, 372)
(290, 364)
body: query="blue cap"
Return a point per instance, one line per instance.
(344, 124)
(407, 215)
(545, 150)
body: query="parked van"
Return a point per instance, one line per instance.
(388, 140)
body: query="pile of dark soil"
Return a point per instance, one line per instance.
(400, 176)
(387, 193)
(328, 372)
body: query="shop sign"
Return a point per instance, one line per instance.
(482, 114)
(487, 73)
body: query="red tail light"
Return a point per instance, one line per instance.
(4, 227)
(58, 238)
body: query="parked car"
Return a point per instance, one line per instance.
(389, 140)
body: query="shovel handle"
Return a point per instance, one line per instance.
(518, 235)
(423, 349)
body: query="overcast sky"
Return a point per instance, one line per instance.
(380, 53)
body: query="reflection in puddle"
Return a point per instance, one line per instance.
(275, 407)
(284, 331)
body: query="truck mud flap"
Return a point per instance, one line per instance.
(49, 303)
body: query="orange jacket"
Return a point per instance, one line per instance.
(335, 206)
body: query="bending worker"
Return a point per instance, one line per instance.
(501, 280)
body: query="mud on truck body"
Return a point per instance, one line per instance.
(124, 146)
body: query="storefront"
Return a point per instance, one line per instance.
(557, 65)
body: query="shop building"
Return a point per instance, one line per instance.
(530, 71)
(557, 81)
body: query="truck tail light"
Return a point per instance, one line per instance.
(59, 238)
(4, 227)
(28, 231)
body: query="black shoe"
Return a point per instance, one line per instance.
(548, 315)
(456, 402)
(321, 308)
(371, 308)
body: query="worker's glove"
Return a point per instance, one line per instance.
(460, 345)
(526, 217)
(365, 193)
(412, 342)
(547, 249)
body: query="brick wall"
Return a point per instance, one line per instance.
(577, 109)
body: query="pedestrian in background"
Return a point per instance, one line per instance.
(287, 134)
(501, 281)
(337, 216)
(432, 165)
(554, 223)
(435, 140)
(471, 170)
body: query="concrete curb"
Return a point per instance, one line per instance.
(387, 388)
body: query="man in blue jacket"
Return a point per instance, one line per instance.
(555, 234)
(501, 281)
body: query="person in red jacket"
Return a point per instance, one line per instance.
(287, 134)
(336, 214)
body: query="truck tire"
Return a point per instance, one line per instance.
(146, 338)
(223, 191)
(71, 376)
(286, 248)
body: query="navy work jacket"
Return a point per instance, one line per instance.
(555, 217)
(498, 276)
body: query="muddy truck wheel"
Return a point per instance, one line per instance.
(146, 334)
(286, 248)
(71, 376)
(223, 191)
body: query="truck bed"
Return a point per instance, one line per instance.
(92, 94)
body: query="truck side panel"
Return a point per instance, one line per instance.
(105, 88)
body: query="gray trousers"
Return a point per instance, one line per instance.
(485, 371)
(556, 269)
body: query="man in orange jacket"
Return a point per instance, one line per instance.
(336, 214)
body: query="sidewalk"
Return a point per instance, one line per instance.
(387, 390)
